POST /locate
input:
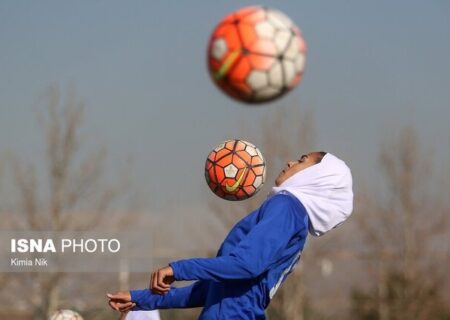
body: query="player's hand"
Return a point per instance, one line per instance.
(120, 301)
(161, 280)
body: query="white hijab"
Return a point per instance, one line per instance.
(325, 190)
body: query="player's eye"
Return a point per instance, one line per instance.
(302, 158)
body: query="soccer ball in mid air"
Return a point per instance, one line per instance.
(256, 54)
(235, 170)
(66, 315)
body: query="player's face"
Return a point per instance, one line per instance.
(294, 166)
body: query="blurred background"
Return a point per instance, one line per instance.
(107, 114)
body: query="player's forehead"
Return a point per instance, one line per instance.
(315, 156)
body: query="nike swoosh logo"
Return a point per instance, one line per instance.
(237, 183)
(225, 67)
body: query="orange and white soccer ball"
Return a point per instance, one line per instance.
(256, 54)
(235, 170)
(66, 315)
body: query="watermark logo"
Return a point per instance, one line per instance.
(74, 252)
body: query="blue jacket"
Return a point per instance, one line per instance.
(255, 258)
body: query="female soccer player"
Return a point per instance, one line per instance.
(311, 194)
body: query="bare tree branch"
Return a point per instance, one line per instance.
(74, 187)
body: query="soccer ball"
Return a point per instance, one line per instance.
(66, 315)
(235, 170)
(256, 54)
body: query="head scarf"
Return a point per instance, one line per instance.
(325, 190)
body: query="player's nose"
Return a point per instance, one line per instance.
(290, 163)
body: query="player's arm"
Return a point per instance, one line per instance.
(254, 254)
(186, 297)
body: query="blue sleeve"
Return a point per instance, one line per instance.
(256, 253)
(192, 296)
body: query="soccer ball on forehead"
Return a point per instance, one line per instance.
(66, 315)
(235, 170)
(256, 54)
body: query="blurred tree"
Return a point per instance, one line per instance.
(400, 294)
(403, 231)
(73, 185)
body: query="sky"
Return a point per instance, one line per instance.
(140, 66)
